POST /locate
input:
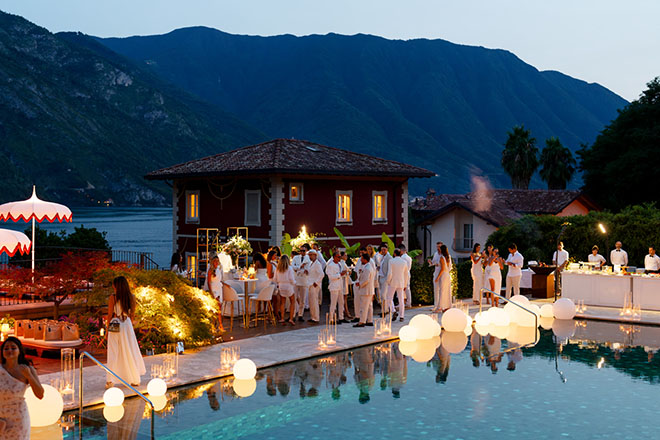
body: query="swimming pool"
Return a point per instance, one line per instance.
(602, 382)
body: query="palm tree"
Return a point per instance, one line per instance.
(558, 164)
(520, 157)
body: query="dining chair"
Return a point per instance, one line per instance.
(229, 296)
(264, 299)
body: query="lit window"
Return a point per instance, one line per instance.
(380, 206)
(296, 192)
(192, 206)
(252, 207)
(191, 264)
(344, 208)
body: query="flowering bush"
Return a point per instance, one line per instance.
(237, 246)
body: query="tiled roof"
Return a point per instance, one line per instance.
(290, 156)
(498, 206)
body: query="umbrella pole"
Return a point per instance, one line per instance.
(32, 248)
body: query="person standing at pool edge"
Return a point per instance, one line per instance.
(436, 262)
(515, 262)
(334, 273)
(559, 259)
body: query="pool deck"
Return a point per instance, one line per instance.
(612, 314)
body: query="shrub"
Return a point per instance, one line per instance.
(464, 277)
(421, 283)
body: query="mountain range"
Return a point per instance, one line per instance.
(90, 116)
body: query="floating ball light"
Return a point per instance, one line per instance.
(546, 311)
(437, 329)
(113, 397)
(113, 413)
(244, 387)
(546, 323)
(564, 308)
(482, 318)
(481, 329)
(520, 299)
(407, 333)
(454, 342)
(499, 317)
(468, 329)
(156, 387)
(45, 411)
(407, 348)
(454, 320)
(425, 326)
(244, 369)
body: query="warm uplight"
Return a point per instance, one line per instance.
(602, 228)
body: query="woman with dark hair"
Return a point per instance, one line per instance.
(124, 357)
(495, 265)
(477, 273)
(16, 374)
(271, 268)
(444, 278)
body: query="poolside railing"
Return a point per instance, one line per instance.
(536, 318)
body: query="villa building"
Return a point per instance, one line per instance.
(279, 186)
(460, 220)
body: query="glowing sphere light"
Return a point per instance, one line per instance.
(407, 348)
(564, 308)
(113, 397)
(46, 411)
(244, 369)
(407, 333)
(425, 326)
(546, 311)
(454, 320)
(156, 387)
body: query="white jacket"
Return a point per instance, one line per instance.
(397, 274)
(300, 265)
(333, 271)
(316, 273)
(366, 280)
(383, 265)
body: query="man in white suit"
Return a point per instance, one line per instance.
(335, 284)
(383, 267)
(316, 275)
(408, 260)
(300, 264)
(397, 280)
(365, 291)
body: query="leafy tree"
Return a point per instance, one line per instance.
(520, 157)
(558, 164)
(619, 169)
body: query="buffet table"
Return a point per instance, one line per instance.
(610, 290)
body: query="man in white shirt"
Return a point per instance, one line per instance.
(618, 255)
(300, 264)
(515, 262)
(408, 260)
(383, 267)
(435, 261)
(559, 259)
(335, 274)
(316, 275)
(397, 280)
(364, 292)
(652, 261)
(595, 257)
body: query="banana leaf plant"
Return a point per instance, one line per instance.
(351, 250)
(390, 247)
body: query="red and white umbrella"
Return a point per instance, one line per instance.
(34, 209)
(12, 242)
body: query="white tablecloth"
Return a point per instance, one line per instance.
(526, 280)
(596, 289)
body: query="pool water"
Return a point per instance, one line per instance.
(602, 382)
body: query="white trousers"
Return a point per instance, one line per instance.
(366, 308)
(512, 283)
(300, 293)
(336, 299)
(436, 293)
(382, 292)
(314, 305)
(408, 296)
(401, 295)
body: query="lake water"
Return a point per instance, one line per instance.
(130, 229)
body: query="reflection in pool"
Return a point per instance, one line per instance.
(599, 382)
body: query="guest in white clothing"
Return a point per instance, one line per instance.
(285, 279)
(652, 261)
(515, 262)
(444, 280)
(346, 283)
(319, 254)
(316, 275)
(477, 273)
(618, 256)
(397, 280)
(595, 257)
(560, 259)
(334, 273)
(436, 262)
(408, 260)
(365, 293)
(496, 264)
(300, 264)
(214, 284)
(383, 261)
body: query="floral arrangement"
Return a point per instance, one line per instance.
(236, 246)
(293, 244)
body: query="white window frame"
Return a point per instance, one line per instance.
(339, 221)
(301, 192)
(383, 219)
(190, 219)
(258, 193)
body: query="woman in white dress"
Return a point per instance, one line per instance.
(485, 263)
(495, 264)
(124, 357)
(271, 268)
(213, 284)
(444, 277)
(285, 279)
(477, 273)
(16, 375)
